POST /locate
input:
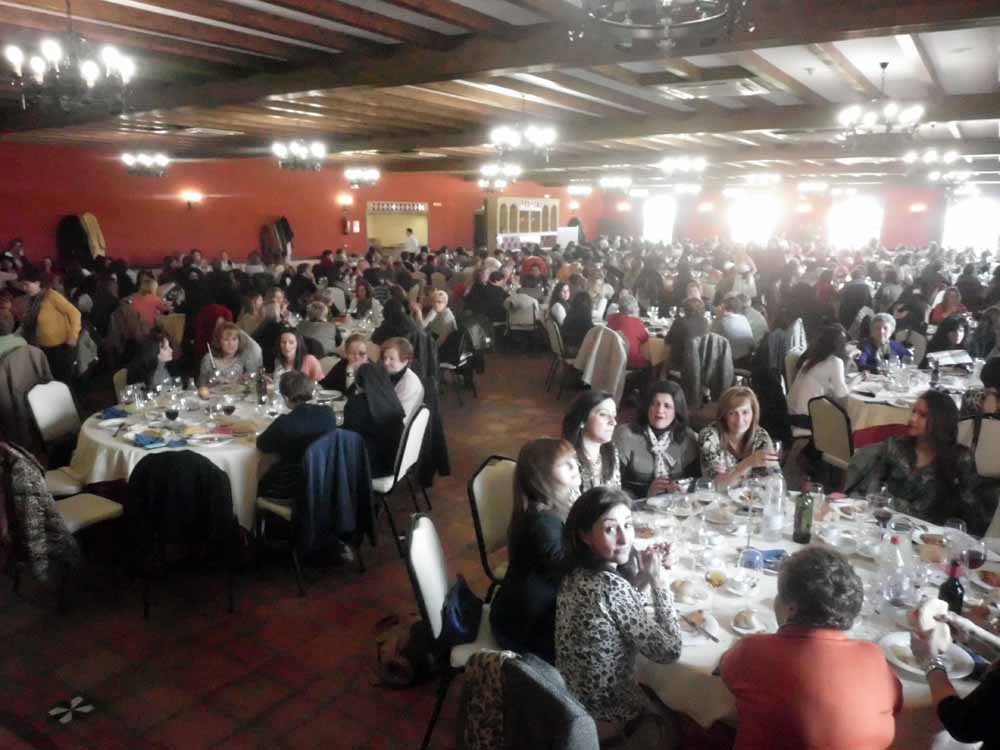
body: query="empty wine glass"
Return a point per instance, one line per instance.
(747, 574)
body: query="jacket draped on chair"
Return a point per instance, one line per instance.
(21, 369)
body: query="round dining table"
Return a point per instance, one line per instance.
(107, 452)
(690, 684)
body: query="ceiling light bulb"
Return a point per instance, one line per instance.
(51, 51)
(950, 157)
(850, 115)
(930, 156)
(574, 205)
(15, 57)
(111, 58)
(161, 160)
(126, 69)
(279, 149)
(911, 115)
(890, 111)
(128, 160)
(911, 157)
(191, 196)
(318, 150)
(870, 119)
(934, 176)
(489, 170)
(38, 68)
(699, 164)
(145, 160)
(500, 184)
(90, 71)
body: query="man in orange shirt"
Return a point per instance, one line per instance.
(809, 686)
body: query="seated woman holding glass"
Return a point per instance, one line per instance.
(845, 694)
(229, 359)
(589, 427)
(659, 447)
(879, 347)
(341, 375)
(602, 623)
(292, 356)
(523, 612)
(736, 445)
(373, 410)
(927, 473)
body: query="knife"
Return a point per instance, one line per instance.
(699, 628)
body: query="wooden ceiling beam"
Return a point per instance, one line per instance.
(776, 78)
(383, 107)
(135, 41)
(916, 52)
(560, 98)
(366, 20)
(616, 96)
(373, 112)
(439, 100)
(959, 107)
(272, 23)
(511, 106)
(155, 23)
(831, 56)
(540, 50)
(456, 14)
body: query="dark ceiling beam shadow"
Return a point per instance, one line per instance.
(557, 98)
(779, 24)
(506, 107)
(457, 15)
(156, 23)
(959, 107)
(366, 20)
(137, 42)
(599, 91)
(716, 157)
(270, 22)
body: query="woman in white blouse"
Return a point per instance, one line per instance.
(397, 353)
(560, 302)
(820, 373)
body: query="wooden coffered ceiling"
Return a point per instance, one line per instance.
(416, 85)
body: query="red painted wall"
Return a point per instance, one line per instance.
(144, 218)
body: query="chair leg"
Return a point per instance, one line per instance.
(358, 557)
(392, 525)
(472, 383)
(562, 380)
(145, 595)
(427, 498)
(298, 569)
(413, 494)
(15, 577)
(456, 379)
(443, 686)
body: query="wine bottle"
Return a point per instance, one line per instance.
(261, 386)
(802, 530)
(952, 592)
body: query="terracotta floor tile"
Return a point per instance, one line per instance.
(245, 699)
(94, 666)
(192, 729)
(151, 706)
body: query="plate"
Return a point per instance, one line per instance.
(329, 395)
(978, 580)
(111, 424)
(901, 403)
(699, 596)
(958, 664)
(765, 620)
(209, 441)
(692, 637)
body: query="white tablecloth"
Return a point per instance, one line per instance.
(102, 457)
(689, 686)
(866, 412)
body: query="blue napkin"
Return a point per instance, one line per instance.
(149, 443)
(113, 412)
(773, 558)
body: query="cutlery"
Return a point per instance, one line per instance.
(699, 628)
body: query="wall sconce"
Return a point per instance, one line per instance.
(345, 200)
(918, 208)
(624, 207)
(191, 197)
(574, 205)
(804, 208)
(706, 208)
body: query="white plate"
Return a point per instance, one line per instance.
(958, 664)
(766, 621)
(209, 441)
(901, 403)
(698, 599)
(974, 575)
(693, 637)
(111, 424)
(325, 395)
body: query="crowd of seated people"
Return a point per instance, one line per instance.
(847, 314)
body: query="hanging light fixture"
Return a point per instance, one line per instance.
(881, 116)
(495, 177)
(358, 176)
(662, 22)
(579, 191)
(146, 165)
(66, 74)
(298, 155)
(762, 179)
(683, 164)
(615, 182)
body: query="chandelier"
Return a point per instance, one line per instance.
(664, 22)
(359, 176)
(65, 73)
(930, 157)
(615, 182)
(882, 116)
(496, 176)
(146, 165)
(538, 138)
(493, 185)
(297, 155)
(683, 164)
(580, 191)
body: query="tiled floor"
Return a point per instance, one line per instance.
(283, 671)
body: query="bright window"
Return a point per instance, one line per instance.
(972, 223)
(754, 218)
(658, 216)
(854, 222)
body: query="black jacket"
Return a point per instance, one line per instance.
(289, 436)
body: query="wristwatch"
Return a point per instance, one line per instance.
(936, 663)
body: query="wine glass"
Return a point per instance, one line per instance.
(228, 406)
(881, 505)
(704, 492)
(172, 411)
(683, 508)
(747, 574)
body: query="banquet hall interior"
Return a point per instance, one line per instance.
(499, 374)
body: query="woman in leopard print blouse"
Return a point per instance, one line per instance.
(601, 620)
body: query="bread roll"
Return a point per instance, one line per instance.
(923, 620)
(683, 591)
(745, 619)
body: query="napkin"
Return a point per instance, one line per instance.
(113, 412)
(149, 442)
(773, 558)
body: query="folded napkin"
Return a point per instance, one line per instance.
(149, 442)
(773, 558)
(113, 412)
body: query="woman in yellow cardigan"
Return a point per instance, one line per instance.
(50, 322)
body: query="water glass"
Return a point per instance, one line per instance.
(748, 571)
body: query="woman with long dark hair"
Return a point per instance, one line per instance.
(374, 411)
(396, 322)
(602, 623)
(588, 427)
(928, 473)
(559, 302)
(364, 303)
(658, 447)
(821, 372)
(951, 334)
(292, 356)
(579, 320)
(546, 481)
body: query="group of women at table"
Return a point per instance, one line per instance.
(576, 592)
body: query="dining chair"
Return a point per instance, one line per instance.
(58, 423)
(120, 382)
(407, 457)
(339, 298)
(491, 499)
(429, 575)
(559, 359)
(791, 367)
(987, 453)
(460, 365)
(831, 429)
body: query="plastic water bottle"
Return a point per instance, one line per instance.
(773, 516)
(893, 574)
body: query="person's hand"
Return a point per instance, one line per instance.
(650, 568)
(761, 458)
(921, 648)
(663, 485)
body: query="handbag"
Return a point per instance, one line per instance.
(461, 614)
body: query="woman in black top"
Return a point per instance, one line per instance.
(373, 410)
(152, 360)
(290, 435)
(579, 320)
(396, 321)
(523, 612)
(950, 334)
